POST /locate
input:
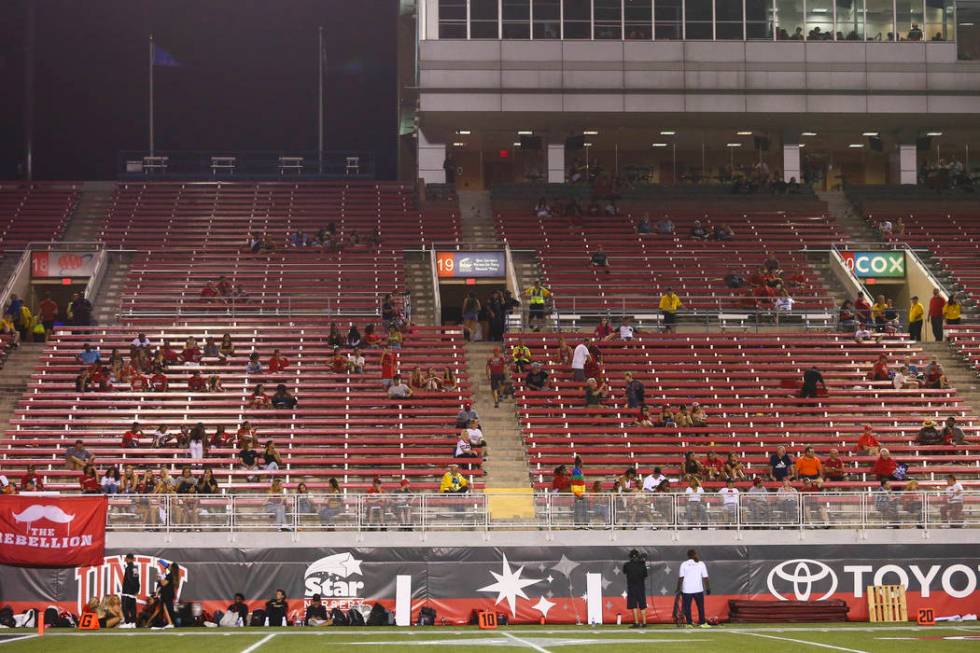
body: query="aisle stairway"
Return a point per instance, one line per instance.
(418, 280)
(14, 376)
(506, 465)
(959, 373)
(850, 221)
(86, 220)
(476, 218)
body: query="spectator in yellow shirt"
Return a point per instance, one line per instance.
(951, 311)
(453, 482)
(669, 303)
(878, 311)
(916, 314)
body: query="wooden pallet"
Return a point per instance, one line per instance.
(886, 603)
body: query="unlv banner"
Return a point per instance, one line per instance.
(50, 531)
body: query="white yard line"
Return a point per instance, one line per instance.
(16, 639)
(259, 643)
(524, 642)
(802, 641)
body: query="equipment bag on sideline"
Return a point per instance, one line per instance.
(427, 616)
(339, 618)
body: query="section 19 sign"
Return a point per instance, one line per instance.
(865, 265)
(470, 264)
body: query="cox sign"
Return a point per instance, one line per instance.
(866, 265)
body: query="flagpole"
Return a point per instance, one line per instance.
(319, 141)
(152, 147)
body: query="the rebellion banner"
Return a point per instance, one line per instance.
(527, 584)
(52, 531)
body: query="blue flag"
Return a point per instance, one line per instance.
(163, 58)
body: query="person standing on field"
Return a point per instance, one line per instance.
(692, 585)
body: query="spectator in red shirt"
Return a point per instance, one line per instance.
(936, 306)
(863, 308)
(159, 381)
(714, 466)
(191, 353)
(131, 438)
(389, 363)
(604, 330)
(31, 476)
(89, 482)
(880, 370)
(169, 354)
(884, 468)
(209, 292)
(833, 466)
(259, 398)
(223, 286)
(867, 444)
(338, 363)
(221, 437)
(562, 480)
(197, 383)
(278, 362)
(138, 382)
(48, 310)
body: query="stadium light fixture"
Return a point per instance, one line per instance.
(801, 145)
(869, 133)
(934, 133)
(856, 145)
(517, 144)
(590, 132)
(734, 145)
(808, 134)
(459, 144)
(744, 133)
(588, 144)
(525, 132)
(667, 133)
(462, 132)
(659, 145)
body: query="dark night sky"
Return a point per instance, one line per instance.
(248, 79)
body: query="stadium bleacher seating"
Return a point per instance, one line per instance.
(642, 266)
(344, 427)
(192, 233)
(742, 382)
(34, 212)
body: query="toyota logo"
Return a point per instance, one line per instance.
(803, 575)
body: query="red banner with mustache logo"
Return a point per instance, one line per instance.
(52, 531)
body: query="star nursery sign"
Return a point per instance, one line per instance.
(509, 586)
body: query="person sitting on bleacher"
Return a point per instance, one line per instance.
(929, 434)
(542, 209)
(698, 416)
(867, 444)
(209, 292)
(221, 437)
(692, 467)
(99, 378)
(463, 447)
(246, 433)
(168, 354)
(191, 353)
(885, 466)
(453, 482)
(88, 355)
(603, 330)
(271, 458)
(130, 439)
(626, 329)
(398, 389)
(781, 465)
(698, 231)
(159, 381)
(935, 378)
(808, 465)
(683, 417)
(197, 383)
(952, 434)
(723, 232)
(734, 468)
(259, 398)
(833, 466)
(595, 393)
(599, 259)
(338, 362)
(254, 365)
(665, 227)
(537, 378)
(355, 361)
(862, 309)
(282, 398)
(248, 457)
(643, 225)
(278, 362)
(464, 416)
(141, 341)
(521, 355)
(879, 371)
(714, 467)
(846, 318)
(353, 337)
(902, 380)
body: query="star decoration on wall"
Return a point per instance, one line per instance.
(565, 567)
(543, 605)
(509, 586)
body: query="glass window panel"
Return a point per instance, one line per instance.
(850, 20)
(758, 19)
(547, 19)
(728, 19)
(908, 18)
(452, 19)
(878, 21)
(968, 30)
(483, 19)
(516, 19)
(819, 20)
(578, 19)
(789, 20)
(639, 19)
(697, 20)
(667, 16)
(608, 19)
(939, 20)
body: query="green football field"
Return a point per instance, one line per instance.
(857, 638)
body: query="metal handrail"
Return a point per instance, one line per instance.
(860, 510)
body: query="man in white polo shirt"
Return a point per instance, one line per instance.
(693, 584)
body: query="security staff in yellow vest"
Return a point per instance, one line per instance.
(536, 294)
(916, 314)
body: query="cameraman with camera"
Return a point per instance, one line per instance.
(636, 587)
